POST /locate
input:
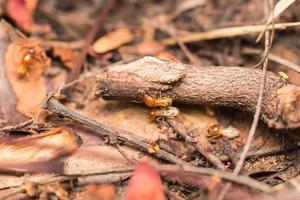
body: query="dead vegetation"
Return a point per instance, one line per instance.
(154, 99)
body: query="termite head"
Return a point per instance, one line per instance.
(214, 131)
(27, 60)
(28, 57)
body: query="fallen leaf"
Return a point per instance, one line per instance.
(164, 55)
(25, 61)
(66, 55)
(149, 48)
(21, 11)
(33, 153)
(279, 8)
(9, 115)
(145, 184)
(113, 40)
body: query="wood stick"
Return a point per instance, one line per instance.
(235, 87)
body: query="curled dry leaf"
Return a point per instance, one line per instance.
(21, 11)
(25, 61)
(67, 55)
(113, 40)
(33, 153)
(164, 55)
(145, 184)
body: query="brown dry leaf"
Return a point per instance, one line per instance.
(33, 153)
(113, 40)
(164, 55)
(25, 77)
(149, 48)
(66, 55)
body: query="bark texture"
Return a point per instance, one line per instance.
(235, 87)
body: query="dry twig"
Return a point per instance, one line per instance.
(89, 39)
(221, 86)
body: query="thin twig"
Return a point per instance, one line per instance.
(254, 124)
(105, 131)
(263, 152)
(240, 179)
(239, 164)
(275, 58)
(16, 127)
(225, 33)
(89, 39)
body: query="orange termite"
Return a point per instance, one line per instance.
(152, 101)
(216, 131)
(27, 60)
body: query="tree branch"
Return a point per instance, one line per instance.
(235, 87)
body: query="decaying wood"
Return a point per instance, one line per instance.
(235, 87)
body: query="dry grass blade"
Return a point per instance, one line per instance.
(226, 33)
(285, 62)
(275, 58)
(184, 6)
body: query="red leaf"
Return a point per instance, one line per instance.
(145, 184)
(21, 11)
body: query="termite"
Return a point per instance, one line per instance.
(27, 60)
(169, 112)
(152, 101)
(216, 131)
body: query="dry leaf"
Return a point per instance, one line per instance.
(25, 61)
(145, 184)
(33, 153)
(9, 115)
(113, 40)
(164, 55)
(149, 48)
(66, 55)
(21, 11)
(280, 7)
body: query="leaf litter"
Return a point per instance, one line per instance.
(26, 88)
